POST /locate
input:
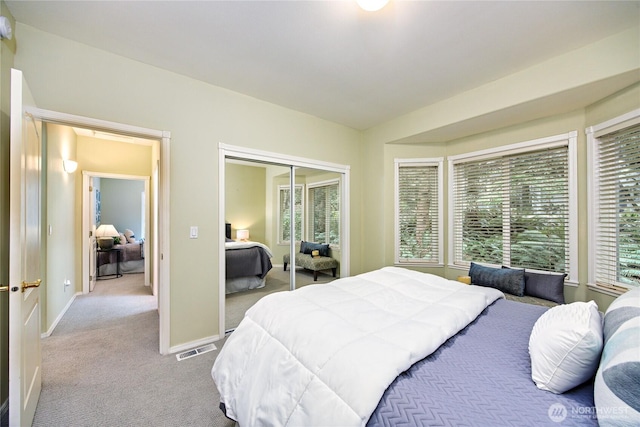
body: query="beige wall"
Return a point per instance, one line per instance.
(7, 51)
(246, 200)
(199, 116)
(60, 224)
(613, 106)
(99, 155)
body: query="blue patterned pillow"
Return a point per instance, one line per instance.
(308, 247)
(618, 378)
(509, 280)
(546, 286)
(549, 286)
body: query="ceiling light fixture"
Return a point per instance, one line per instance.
(372, 5)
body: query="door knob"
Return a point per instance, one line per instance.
(27, 285)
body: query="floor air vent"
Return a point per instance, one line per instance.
(195, 352)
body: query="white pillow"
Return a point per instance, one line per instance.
(129, 235)
(565, 346)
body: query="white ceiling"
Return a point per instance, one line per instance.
(329, 58)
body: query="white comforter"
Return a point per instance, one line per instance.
(323, 355)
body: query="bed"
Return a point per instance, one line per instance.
(131, 259)
(247, 265)
(398, 347)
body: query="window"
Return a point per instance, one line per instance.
(324, 212)
(614, 220)
(516, 206)
(284, 212)
(418, 211)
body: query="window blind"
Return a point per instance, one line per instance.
(618, 208)
(513, 210)
(417, 212)
(284, 204)
(324, 224)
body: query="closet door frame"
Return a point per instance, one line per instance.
(230, 151)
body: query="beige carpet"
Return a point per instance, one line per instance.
(277, 281)
(101, 367)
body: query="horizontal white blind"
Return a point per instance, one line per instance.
(324, 203)
(284, 203)
(618, 217)
(418, 213)
(513, 210)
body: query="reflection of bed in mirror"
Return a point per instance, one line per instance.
(247, 264)
(131, 259)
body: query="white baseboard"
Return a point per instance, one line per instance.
(62, 313)
(193, 344)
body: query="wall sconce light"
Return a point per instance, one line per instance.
(242, 235)
(5, 28)
(105, 234)
(69, 166)
(372, 5)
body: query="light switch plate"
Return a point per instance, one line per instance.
(193, 232)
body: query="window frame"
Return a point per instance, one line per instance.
(594, 133)
(287, 187)
(569, 140)
(309, 212)
(438, 163)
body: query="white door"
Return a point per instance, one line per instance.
(93, 271)
(25, 367)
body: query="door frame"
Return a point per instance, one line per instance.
(237, 152)
(161, 251)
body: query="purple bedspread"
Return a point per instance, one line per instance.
(482, 377)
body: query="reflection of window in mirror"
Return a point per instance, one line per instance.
(323, 213)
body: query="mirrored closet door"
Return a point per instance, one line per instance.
(272, 213)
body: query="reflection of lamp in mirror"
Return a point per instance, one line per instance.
(242, 235)
(105, 234)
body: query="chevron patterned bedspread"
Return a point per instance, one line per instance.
(482, 377)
